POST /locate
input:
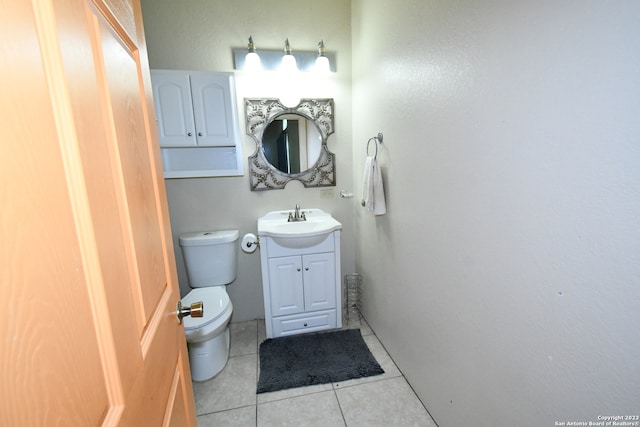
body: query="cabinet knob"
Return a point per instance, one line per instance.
(305, 324)
(306, 269)
(298, 269)
(189, 134)
(199, 133)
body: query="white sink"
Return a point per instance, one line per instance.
(298, 234)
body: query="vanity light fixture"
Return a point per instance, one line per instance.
(322, 62)
(289, 63)
(318, 61)
(252, 60)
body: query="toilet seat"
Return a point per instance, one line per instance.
(215, 305)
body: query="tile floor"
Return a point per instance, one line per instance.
(230, 398)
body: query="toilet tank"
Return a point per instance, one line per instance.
(210, 257)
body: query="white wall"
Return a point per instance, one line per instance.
(505, 278)
(199, 35)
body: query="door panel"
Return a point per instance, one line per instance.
(47, 331)
(89, 287)
(140, 213)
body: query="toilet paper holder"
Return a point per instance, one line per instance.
(255, 242)
(250, 242)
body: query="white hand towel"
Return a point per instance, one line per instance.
(367, 184)
(372, 188)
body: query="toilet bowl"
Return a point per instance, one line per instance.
(211, 263)
(208, 336)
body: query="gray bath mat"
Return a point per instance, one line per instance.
(314, 359)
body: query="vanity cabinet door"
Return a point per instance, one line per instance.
(319, 272)
(287, 292)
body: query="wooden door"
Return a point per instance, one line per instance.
(88, 331)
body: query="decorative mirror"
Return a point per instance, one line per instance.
(291, 143)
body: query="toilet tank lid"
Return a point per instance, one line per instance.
(201, 238)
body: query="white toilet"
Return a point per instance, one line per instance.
(210, 258)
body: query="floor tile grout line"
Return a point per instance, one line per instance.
(344, 420)
(296, 396)
(225, 410)
(372, 380)
(257, 365)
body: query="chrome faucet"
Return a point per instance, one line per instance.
(297, 215)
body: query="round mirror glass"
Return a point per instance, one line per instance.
(291, 143)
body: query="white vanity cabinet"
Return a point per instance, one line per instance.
(196, 114)
(301, 286)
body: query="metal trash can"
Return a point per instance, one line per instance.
(352, 285)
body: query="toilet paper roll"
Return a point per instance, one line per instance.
(249, 243)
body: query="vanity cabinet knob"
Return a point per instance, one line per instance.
(306, 269)
(189, 134)
(199, 133)
(298, 269)
(305, 324)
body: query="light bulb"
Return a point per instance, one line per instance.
(322, 65)
(322, 62)
(252, 60)
(289, 63)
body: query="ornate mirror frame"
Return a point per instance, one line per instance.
(260, 113)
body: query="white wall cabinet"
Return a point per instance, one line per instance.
(301, 287)
(197, 119)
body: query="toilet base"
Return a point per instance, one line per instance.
(208, 358)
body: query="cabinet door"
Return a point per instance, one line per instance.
(319, 281)
(285, 283)
(174, 109)
(213, 109)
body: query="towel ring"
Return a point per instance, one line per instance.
(376, 144)
(378, 140)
